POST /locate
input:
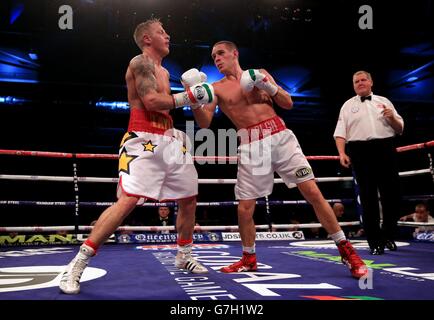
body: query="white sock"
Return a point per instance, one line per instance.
(338, 236)
(85, 252)
(249, 250)
(185, 249)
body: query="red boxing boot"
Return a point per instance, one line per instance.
(352, 259)
(247, 263)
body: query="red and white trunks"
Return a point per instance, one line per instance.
(155, 164)
(272, 148)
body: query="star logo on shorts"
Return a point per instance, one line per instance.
(128, 136)
(124, 161)
(149, 146)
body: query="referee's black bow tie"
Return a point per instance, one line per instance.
(366, 98)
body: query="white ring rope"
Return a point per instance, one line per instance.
(312, 225)
(123, 228)
(414, 224)
(233, 159)
(201, 181)
(156, 204)
(199, 228)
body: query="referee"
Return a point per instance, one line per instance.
(364, 137)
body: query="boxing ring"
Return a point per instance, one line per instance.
(136, 263)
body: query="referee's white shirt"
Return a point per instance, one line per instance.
(361, 121)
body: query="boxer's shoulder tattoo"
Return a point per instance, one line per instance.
(143, 69)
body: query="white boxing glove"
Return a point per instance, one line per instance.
(191, 77)
(201, 93)
(254, 78)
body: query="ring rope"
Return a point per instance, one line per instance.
(77, 179)
(173, 204)
(169, 228)
(201, 181)
(158, 204)
(200, 228)
(50, 154)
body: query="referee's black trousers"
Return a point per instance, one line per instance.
(375, 167)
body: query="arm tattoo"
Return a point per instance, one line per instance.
(144, 73)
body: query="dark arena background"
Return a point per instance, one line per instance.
(64, 111)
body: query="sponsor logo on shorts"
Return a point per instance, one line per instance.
(302, 172)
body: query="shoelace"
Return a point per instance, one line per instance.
(240, 263)
(77, 270)
(356, 261)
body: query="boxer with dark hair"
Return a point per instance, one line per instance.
(247, 98)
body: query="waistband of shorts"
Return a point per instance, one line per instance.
(149, 121)
(263, 129)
